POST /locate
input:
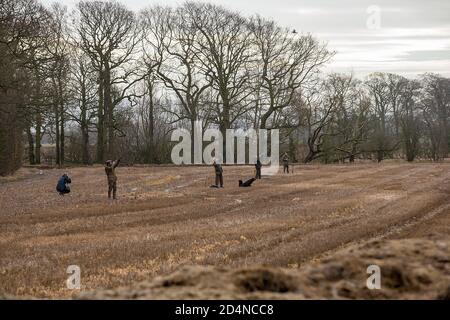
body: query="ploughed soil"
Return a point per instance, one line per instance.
(308, 234)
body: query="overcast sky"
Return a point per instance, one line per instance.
(412, 36)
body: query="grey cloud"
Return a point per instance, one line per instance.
(342, 23)
(426, 55)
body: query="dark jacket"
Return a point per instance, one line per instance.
(218, 169)
(63, 180)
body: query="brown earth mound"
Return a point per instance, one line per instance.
(410, 269)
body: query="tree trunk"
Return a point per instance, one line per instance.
(62, 135)
(151, 124)
(57, 136)
(380, 156)
(100, 122)
(31, 158)
(351, 159)
(309, 157)
(84, 127)
(311, 153)
(85, 145)
(223, 128)
(193, 140)
(38, 137)
(264, 118)
(444, 138)
(61, 119)
(109, 108)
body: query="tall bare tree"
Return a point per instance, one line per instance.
(223, 50)
(22, 32)
(108, 34)
(409, 118)
(58, 49)
(170, 38)
(286, 60)
(83, 93)
(435, 104)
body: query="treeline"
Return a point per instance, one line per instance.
(103, 81)
(384, 116)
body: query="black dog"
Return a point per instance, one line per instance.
(247, 183)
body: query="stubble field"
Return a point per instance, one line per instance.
(167, 217)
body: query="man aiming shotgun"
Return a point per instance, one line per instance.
(110, 167)
(219, 174)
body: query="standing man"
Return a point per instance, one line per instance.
(285, 163)
(219, 174)
(258, 166)
(110, 167)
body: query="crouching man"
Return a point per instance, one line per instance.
(110, 167)
(62, 186)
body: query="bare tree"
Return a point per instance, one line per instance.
(223, 50)
(83, 93)
(21, 35)
(171, 55)
(108, 34)
(379, 91)
(409, 118)
(436, 106)
(318, 114)
(285, 61)
(349, 128)
(58, 48)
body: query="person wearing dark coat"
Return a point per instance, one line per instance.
(219, 174)
(258, 166)
(285, 163)
(62, 185)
